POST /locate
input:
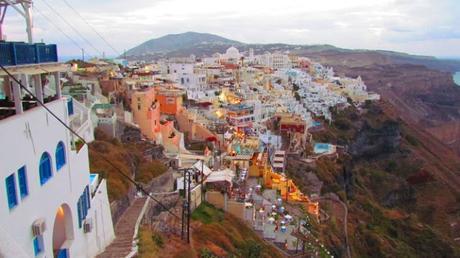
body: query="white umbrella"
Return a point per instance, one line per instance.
(271, 219)
(288, 217)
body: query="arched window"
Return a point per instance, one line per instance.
(45, 168)
(60, 155)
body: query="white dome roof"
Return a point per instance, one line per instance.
(232, 52)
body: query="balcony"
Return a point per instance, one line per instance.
(15, 100)
(80, 119)
(19, 53)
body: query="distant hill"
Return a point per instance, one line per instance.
(205, 44)
(177, 42)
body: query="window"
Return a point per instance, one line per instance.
(83, 206)
(11, 191)
(60, 155)
(22, 178)
(45, 168)
(80, 212)
(70, 106)
(88, 197)
(38, 245)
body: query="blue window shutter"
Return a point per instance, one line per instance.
(60, 155)
(70, 106)
(88, 197)
(45, 168)
(85, 206)
(22, 178)
(11, 191)
(80, 213)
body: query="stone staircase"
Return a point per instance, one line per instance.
(124, 231)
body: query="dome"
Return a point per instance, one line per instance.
(232, 52)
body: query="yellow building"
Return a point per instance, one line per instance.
(260, 167)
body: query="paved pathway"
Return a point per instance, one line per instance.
(124, 231)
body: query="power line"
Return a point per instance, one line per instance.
(123, 174)
(59, 29)
(71, 26)
(95, 31)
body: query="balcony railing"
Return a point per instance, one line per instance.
(19, 53)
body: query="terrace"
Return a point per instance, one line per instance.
(36, 67)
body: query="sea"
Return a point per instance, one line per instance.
(457, 78)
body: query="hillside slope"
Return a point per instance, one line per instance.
(400, 185)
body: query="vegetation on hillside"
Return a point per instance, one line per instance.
(397, 207)
(129, 158)
(150, 243)
(222, 235)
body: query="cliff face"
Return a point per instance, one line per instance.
(422, 96)
(399, 183)
(371, 142)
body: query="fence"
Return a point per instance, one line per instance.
(19, 53)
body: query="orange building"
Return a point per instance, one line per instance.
(170, 100)
(146, 112)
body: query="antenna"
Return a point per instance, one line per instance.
(24, 8)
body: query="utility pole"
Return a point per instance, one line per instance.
(24, 8)
(186, 208)
(202, 179)
(83, 54)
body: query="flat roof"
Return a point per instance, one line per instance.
(32, 69)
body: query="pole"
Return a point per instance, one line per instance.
(202, 179)
(2, 18)
(83, 54)
(287, 189)
(183, 209)
(29, 22)
(188, 207)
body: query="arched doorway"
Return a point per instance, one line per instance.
(62, 231)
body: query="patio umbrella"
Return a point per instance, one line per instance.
(271, 219)
(288, 217)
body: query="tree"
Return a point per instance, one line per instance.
(251, 249)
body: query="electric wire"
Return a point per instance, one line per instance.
(123, 174)
(59, 29)
(71, 26)
(92, 27)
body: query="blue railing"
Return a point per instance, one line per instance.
(19, 53)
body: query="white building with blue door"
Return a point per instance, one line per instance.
(50, 204)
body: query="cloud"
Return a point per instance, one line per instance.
(373, 24)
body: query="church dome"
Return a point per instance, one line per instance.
(232, 52)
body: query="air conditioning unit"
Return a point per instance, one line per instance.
(88, 225)
(38, 227)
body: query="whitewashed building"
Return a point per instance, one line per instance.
(51, 206)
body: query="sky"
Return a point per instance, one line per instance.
(426, 27)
